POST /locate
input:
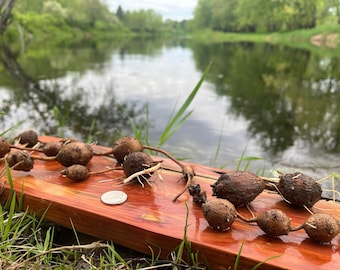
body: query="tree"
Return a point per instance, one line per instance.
(203, 14)
(120, 13)
(6, 7)
(143, 21)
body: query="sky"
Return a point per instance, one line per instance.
(169, 9)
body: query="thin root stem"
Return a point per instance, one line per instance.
(146, 171)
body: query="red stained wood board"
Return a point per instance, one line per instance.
(149, 217)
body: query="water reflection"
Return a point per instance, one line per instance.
(51, 107)
(279, 102)
(286, 94)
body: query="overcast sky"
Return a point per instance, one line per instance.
(169, 9)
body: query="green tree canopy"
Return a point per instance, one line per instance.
(264, 15)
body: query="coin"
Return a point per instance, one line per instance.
(113, 197)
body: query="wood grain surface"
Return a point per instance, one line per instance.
(149, 218)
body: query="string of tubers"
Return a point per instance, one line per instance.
(221, 214)
(137, 165)
(232, 189)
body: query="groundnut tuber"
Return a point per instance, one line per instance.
(299, 189)
(322, 227)
(19, 160)
(238, 187)
(220, 213)
(273, 222)
(75, 153)
(28, 138)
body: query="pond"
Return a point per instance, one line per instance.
(276, 105)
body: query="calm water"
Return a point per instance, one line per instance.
(276, 103)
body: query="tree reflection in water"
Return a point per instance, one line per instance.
(49, 107)
(286, 94)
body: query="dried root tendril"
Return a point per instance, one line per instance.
(188, 175)
(140, 173)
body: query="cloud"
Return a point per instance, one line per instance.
(175, 9)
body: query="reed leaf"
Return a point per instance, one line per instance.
(182, 115)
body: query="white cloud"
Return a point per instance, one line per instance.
(175, 9)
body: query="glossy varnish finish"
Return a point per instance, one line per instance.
(149, 218)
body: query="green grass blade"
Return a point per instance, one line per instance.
(218, 148)
(48, 239)
(241, 159)
(75, 232)
(176, 118)
(115, 255)
(137, 131)
(12, 128)
(9, 176)
(238, 257)
(90, 136)
(173, 131)
(11, 185)
(260, 263)
(146, 137)
(21, 198)
(9, 218)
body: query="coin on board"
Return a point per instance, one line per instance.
(113, 197)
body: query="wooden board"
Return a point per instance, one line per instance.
(150, 218)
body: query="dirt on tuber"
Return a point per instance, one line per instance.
(75, 153)
(28, 138)
(299, 189)
(76, 172)
(124, 146)
(239, 187)
(19, 160)
(220, 213)
(137, 162)
(321, 227)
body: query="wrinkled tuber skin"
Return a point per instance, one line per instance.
(299, 189)
(220, 213)
(4, 147)
(238, 187)
(28, 138)
(125, 146)
(136, 162)
(274, 222)
(75, 153)
(76, 172)
(322, 227)
(20, 160)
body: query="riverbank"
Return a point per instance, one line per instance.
(324, 38)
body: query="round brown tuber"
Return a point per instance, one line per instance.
(273, 222)
(322, 227)
(19, 160)
(299, 189)
(51, 149)
(28, 138)
(136, 162)
(4, 147)
(75, 153)
(220, 213)
(238, 187)
(76, 172)
(125, 146)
